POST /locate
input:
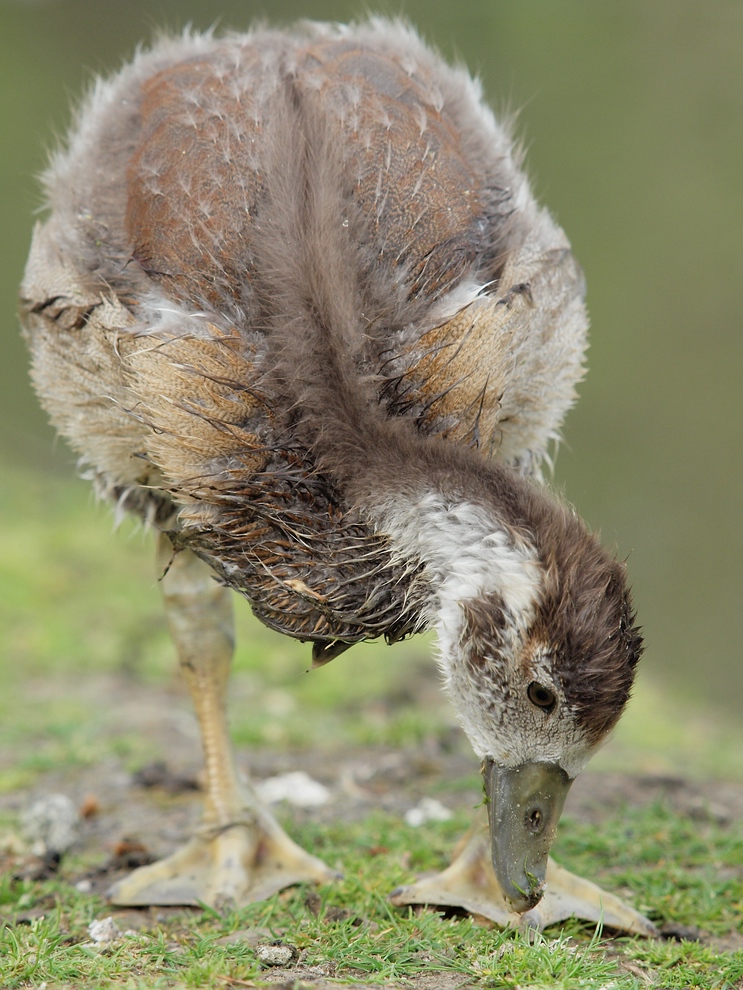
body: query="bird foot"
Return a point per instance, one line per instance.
(470, 883)
(231, 866)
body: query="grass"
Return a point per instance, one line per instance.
(352, 933)
(77, 605)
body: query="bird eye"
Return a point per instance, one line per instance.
(541, 696)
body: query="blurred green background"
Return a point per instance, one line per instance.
(632, 114)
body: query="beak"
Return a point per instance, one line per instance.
(524, 807)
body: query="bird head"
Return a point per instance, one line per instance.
(539, 671)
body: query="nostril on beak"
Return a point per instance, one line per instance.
(535, 821)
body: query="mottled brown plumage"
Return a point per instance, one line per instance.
(191, 415)
(295, 304)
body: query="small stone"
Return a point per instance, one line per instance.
(104, 930)
(50, 824)
(297, 788)
(276, 954)
(84, 886)
(427, 810)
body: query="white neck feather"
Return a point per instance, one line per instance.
(468, 553)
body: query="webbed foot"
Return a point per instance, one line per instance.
(235, 865)
(470, 883)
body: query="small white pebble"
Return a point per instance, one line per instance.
(297, 788)
(50, 824)
(104, 930)
(84, 886)
(276, 955)
(427, 810)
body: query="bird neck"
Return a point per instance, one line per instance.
(468, 548)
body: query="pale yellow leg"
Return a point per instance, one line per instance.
(469, 883)
(240, 854)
